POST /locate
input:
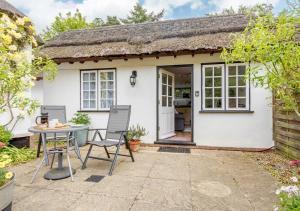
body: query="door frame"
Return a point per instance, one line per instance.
(157, 98)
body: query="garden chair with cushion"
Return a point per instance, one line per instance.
(115, 136)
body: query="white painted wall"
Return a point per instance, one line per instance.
(251, 130)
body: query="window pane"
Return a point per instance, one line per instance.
(164, 78)
(93, 95)
(170, 101)
(232, 70)
(92, 85)
(232, 81)
(208, 92)
(208, 71)
(85, 95)
(218, 103)
(241, 70)
(103, 76)
(218, 92)
(85, 76)
(169, 91)
(217, 71)
(103, 85)
(110, 85)
(208, 82)
(110, 76)
(110, 94)
(170, 80)
(103, 94)
(164, 89)
(85, 85)
(232, 103)
(217, 82)
(85, 104)
(241, 81)
(92, 76)
(242, 103)
(109, 103)
(164, 101)
(232, 92)
(93, 104)
(103, 103)
(242, 92)
(208, 103)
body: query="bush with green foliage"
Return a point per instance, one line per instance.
(5, 135)
(81, 119)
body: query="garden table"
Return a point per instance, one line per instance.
(60, 172)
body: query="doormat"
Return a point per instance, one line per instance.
(174, 149)
(94, 178)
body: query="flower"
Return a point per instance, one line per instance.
(2, 164)
(9, 175)
(5, 156)
(12, 47)
(26, 19)
(20, 21)
(294, 179)
(6, 39)
(276, 209)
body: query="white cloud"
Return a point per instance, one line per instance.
(42, 12)
(222, 4)
(169, 5)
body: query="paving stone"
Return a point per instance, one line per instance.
(138, 206)
(168, 193)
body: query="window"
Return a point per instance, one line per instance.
(224, 90)
(237, 87)
(167, 90)
(213, 87)
(97, 89)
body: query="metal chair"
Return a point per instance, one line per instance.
(116, 135)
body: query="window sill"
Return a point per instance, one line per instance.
(227, 111)
(93, 111)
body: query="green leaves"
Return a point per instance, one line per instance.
(270, 42)
(81, 118)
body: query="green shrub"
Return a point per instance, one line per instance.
(5, 135)
(81, 118)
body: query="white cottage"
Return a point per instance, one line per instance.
(172, 75)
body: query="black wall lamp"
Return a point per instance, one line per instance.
(133, 78)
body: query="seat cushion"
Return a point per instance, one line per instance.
(104, 143)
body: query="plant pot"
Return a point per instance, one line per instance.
(134, 145)
(81, 137)
(6, 195)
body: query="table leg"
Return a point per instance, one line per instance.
(45, 148)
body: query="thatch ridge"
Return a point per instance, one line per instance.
(6, 7)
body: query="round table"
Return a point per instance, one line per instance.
(60, 172)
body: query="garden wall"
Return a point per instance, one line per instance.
(287, 132)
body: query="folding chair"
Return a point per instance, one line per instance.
(116, 135)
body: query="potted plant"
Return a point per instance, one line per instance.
(134, 137)
(81, 119)
(6, 183)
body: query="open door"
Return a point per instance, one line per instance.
(166, 105)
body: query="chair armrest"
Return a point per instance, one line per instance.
(93, 129)
(118, 131)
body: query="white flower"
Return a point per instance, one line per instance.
(278, 191)
(12, 47)
(290, 190)
(276, 209)
(294, 179)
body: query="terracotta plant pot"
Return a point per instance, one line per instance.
(6, 195)
(134, 145)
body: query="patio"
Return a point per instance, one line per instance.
(201, 180)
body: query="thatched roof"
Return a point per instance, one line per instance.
(206, 34)
(8, 8)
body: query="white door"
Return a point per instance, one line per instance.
(166, 105)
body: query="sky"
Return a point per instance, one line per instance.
(43, 12)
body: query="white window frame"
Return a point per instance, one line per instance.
(246, 86)
(81, 90)
(98, 89)
(222, 87)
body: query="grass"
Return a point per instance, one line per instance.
(276, 164)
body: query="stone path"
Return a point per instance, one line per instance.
(202, 180)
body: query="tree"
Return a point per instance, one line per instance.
(70, 21)
(269, 45)
(258, 10)
(140, 15)
(17, 72)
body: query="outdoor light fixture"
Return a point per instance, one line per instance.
(133, 78)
